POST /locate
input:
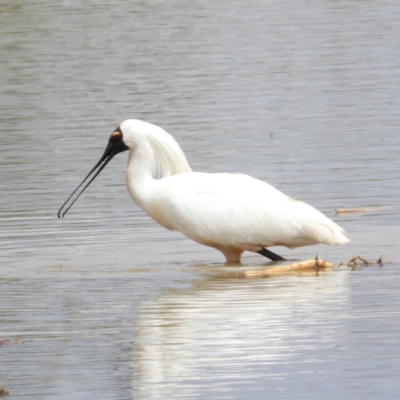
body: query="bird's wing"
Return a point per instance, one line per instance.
(234, 210)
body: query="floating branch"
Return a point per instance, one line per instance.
(4, 342)
(288, 269)
(350, 211)
(308, 265)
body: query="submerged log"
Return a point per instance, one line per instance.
(350, 211)
(288, 269)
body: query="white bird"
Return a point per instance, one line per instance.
(229, 212)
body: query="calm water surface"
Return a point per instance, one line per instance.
(106, 304)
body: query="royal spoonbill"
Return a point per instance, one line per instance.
(230, 212)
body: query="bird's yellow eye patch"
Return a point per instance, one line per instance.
(116, 135)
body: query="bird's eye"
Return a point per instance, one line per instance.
(116, 135)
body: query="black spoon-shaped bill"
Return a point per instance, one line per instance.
(115, 146)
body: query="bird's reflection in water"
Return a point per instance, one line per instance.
(233, 332)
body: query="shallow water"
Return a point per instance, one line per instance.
(106, 304)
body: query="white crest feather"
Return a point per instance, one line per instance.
(167, 157)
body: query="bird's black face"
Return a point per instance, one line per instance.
(115, 145)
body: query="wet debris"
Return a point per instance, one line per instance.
(357, 261)
(351, 211)
(314, 264)
(5, 342)
(4, 392)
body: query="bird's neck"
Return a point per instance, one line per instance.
(139, 179)
(143, 188)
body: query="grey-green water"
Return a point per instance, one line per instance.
(106, 304)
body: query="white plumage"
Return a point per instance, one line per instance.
(230, 212)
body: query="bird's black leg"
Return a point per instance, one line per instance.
(269, 254)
